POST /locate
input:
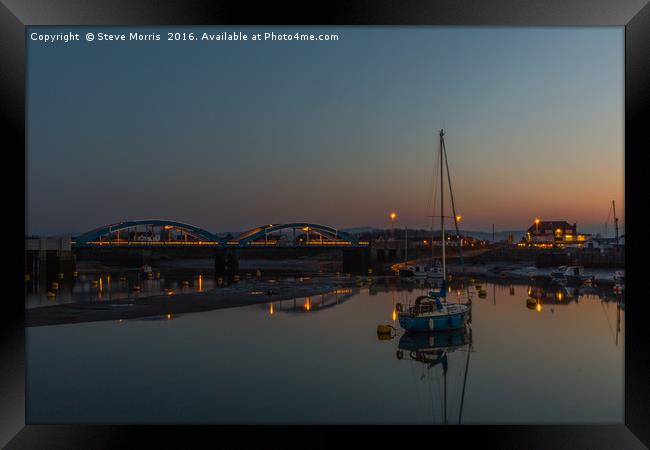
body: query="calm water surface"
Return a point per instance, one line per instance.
(319, 360)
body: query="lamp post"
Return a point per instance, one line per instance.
(393, 216)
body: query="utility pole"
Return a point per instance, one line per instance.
(493, 233)
(406, 245)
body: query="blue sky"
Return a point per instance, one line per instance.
(230, 135)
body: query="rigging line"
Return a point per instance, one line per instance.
(453, 208)
(433, 198)
(433, 185)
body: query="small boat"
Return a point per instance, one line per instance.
(430, 313)
(559, 272)
(576, 275)
(430, 271)
(619, 277)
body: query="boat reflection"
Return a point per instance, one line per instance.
(433, 350)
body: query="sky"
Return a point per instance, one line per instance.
(231, 135)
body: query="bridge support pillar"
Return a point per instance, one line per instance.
(356, 261)
(219, 263)
(232, 263)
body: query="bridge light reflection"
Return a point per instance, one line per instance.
(200, 283)
(394, 315)
(308, 304)
(271, 309)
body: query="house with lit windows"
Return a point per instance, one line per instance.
(553, 233)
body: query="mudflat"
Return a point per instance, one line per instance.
(246, 292)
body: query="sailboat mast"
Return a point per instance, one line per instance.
(615, 220)
(442, 209)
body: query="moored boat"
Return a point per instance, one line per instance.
(432, 312)
(619, 277)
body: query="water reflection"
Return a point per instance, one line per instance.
(311, 304)
(433, 350)
(401, 378)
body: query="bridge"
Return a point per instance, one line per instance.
(158, 233)
(146, 237)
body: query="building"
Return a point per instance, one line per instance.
(553, 233)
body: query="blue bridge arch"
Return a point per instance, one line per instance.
(199, 233)
(336, 236)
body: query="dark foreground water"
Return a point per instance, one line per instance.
(319, 360)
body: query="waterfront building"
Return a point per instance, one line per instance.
(554, 233)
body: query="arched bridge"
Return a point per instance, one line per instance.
(159, 233)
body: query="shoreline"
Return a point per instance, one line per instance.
(244, 293)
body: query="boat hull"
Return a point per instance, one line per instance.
(434, 323)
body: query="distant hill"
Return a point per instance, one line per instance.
(482, 235)
(361, 230)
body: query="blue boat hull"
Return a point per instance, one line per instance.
(448, 322)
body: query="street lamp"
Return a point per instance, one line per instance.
(537, 225)
(393, 216)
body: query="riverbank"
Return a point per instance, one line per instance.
(244, 293)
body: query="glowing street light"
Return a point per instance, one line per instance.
(537, 225)
(458, 217)
(393, 216)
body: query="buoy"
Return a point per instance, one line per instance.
(384, 329)
(51, 294)
(531, 301)
(61, 276)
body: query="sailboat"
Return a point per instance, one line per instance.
(431, 312)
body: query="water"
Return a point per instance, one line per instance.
(319, 360)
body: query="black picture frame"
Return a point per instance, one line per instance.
(16, 15)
